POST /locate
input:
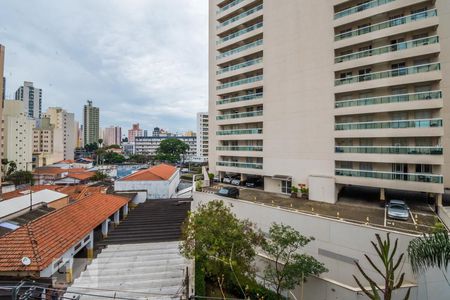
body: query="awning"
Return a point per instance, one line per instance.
(282, 177)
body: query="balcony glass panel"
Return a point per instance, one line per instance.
(240, 82)
(240, 49)
(239, 148)
(389, 48)
(425, 123)
(229, 5)
(432, 95)
(418, 177)
(240, 32)
(360, 7)
(240, 98)
(240, 66)
(240, 131)
(248, 114)
(240, 16)
(436, 150)
(390, 73)
(240, 165)
(387, 24)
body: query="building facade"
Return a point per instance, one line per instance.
(148, 145)
(361, 105)
(91, 123)
(17, 134)
(112, 136)
(134, 132)
(65, 121)
(2, 97)
(48, 143)
(31, 98)
(202, 136)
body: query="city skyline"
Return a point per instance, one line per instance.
(116, 67)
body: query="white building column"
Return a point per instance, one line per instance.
(105, 228)
(117, 217)
(125, 210)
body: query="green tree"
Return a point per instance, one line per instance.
(91, 147)
(221, 243)
(99, 176)
(430, 251)
(113, 158)
(12, 167)
(171, 150)
(21, 177)
(390, 266)
(289, 268)
(100, 142)
(139, 158)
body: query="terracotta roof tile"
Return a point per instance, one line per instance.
(159, 172)
(50, 236)
(49, 171)
(81, 175)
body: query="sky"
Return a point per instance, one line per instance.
(140, 61)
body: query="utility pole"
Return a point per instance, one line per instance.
(31, 183)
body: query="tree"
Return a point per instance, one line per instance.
(430, 251)
(11, 168)
(99, 176)
(221, 243)
(139, 158)
(91, 147)
(289, 268)
(100, 142)
(110, 157)
(390, 265)
(21, 177)
(171, 150)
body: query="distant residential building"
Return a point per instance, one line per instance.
(112, 135)
(48, 143)
(79, 135)
(202, 136)
(128, 148)
(65, 121)
(189, 133)
(17, 134)
(148, 145)
(134, 132)
(91, 123)
(32, 99)
(145, 132)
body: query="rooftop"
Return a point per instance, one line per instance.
(159, 172)
(49, 171)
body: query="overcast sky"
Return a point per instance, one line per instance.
(138, 60)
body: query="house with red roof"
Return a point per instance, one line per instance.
(157, 182)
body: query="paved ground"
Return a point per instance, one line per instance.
(353, 206)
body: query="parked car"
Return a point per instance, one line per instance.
(253, 182)
(216, 178)
(236, 181)
(227, 179)
(230, 192)
(397, 209)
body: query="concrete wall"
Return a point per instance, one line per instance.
(337, 244)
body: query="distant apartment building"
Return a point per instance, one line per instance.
(65, 121)
(48, 146)
(202, 136)
(17, 134)
(79, 135)
(128, 148)
(148, 145)
(112, 135)
(134, 132)
(330, 94)
(32, 99)
(91, 123)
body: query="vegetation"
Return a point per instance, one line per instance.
(140, 158)
(100, 142)
(289, 268)
(294, 190)
(388, 272)
(99, 176)
(430, 251)
(113, 158)
(21, 177)
(198, 185)
(91, 147)
(171, 150)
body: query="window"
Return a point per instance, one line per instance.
(396, 20)
(421, 168)
(366, 166)
(398, 44)
(365, 28)
(286, 186)
(418, 14)
(398, 69)
(346, 164)
(363, 74)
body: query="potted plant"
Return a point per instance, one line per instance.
(211, 178)
(304, 190)
(294, 191)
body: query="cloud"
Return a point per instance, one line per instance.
(139, 60)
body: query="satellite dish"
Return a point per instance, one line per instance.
(26, 261)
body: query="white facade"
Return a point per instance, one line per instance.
(17, 134)
(112, 136)
(61, 119)
(202, 136)
(31, 98)
(149, 144)
(48, 143)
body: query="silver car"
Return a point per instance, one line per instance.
(397, 209)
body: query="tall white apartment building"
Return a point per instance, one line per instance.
(17, 134)
(48, 147)
(112, 135)
(331, 93)
(61, 119)
(202, 136)
(32, 99)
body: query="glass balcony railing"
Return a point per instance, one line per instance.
(388, 74)
(240, 131)
(387, 24)
(240, 16)
(229, 5)
(424, 150)
(432, 95)
(246, 114)
(387, 49)
(240, 82)
(424, 123)
(418, 177)
(240, 49)
(360, 7)
(240, 66)
(240, 32)
(240, 165)
(240, 98)
(239, 148)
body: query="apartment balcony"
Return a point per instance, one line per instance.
(360, 7)
(401, 76)
(240, 131)
(387, 28)
(228, 6)
(242, 51)
(391, 154)
(243, 33)
(422, 100)
(238, 118)
(240, 148)
(232, 7)
(240, 134)
(432, 183)
(241, 84)
(397, 128)
(247, 66)
(240, 19)
(240, 151)
(399, 51)
(240, 100)
(240, 165)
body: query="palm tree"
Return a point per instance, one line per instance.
(430, 251)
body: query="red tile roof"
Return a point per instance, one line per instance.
(159, 172)
(49, 171)
(81, 175)
(66, 161)
(50, 236)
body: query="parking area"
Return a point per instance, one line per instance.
(355, 205)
